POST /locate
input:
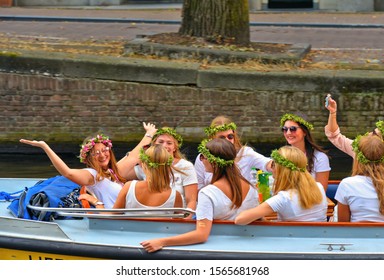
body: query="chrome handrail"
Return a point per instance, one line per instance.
(117, 213)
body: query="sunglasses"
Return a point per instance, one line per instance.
(229, 136)
(292, 129)
(202, 157)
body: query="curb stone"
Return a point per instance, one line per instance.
(142, 46)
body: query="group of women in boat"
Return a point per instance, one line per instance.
(217, 185)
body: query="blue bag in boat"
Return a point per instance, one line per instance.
(52, 192)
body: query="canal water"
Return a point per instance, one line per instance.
(34, 164)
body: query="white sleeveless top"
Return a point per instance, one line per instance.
(105, 190)
(131, 200)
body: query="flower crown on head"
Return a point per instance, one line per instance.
(170, 131)
(295, 118)
(212, 130)
(87, 147)
(211, 158)
(380, 126)
(147, 160)
(275, 155)
(359, 154)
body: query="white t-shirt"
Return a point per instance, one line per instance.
(105, 190)
(132, 202)
(286, 204)
(214, 204)
(180, 180)
(360, 195)
(248, 159)
(320, 163)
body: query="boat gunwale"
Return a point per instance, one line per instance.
(269, 223)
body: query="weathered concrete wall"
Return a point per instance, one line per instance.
(61, 109)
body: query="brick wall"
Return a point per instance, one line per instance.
(68, 110)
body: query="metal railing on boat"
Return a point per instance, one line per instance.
(102, 213)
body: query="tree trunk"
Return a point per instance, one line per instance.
(220, 20)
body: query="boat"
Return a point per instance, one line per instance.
(83, 234)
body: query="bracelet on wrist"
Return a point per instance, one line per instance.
(148, 135)
(333, 112)
(97, 203)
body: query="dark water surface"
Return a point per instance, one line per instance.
(37, 165)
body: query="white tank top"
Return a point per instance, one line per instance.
(131, 200)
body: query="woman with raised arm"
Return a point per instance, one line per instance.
(101, 176)
(333, 133)
(228, 194)
(297, 196)
(126, 164)
(246, 157)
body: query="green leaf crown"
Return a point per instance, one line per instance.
(359, 154)
(170, 131)
(147, 160)
(211, 158)
(278, 158)
(380, 126)
(295, 118)
(212, 130)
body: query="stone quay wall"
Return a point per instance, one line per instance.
(68, 109)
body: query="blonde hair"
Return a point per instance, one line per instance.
(158, 178)
(177, 153)
(372, 148)
(220, 120)
(286, 179)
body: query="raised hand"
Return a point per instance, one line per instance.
(330, 104)
(40, 144)
(150, 128)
